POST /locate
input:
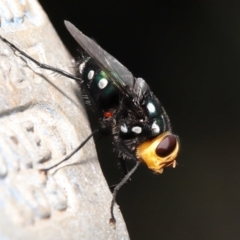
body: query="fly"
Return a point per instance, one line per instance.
(126, 108)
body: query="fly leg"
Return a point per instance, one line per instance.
(72, 153)
(116, 189)
(126, 178)
(41, 65)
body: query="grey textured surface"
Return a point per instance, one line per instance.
(42, 120)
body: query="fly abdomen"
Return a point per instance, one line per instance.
(101, 90)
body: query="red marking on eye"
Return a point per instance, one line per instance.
(107, 114)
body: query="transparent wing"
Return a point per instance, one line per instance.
(120, 74)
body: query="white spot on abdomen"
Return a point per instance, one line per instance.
(81, 67)
(103, 83)
(90, 74)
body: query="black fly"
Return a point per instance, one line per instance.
(126, 108)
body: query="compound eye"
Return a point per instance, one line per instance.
(166, 146)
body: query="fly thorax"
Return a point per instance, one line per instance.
(157, 117)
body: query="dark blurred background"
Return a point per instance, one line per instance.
(189, 53)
